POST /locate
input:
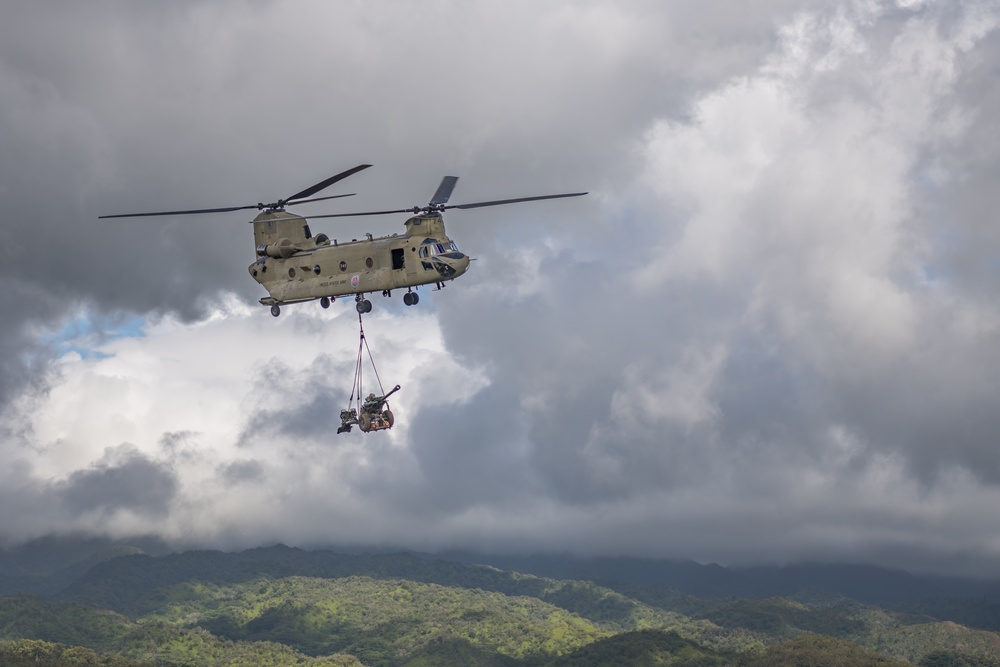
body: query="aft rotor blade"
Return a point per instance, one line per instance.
(189, 212)
(444, 190)
(497, 202)
(308, 192)
(352, 215)
(305, 201)
(432, 208)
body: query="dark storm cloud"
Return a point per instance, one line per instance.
(125, 480)
(242, 472)
(305, 400)
(170, 113)
(556, 359)
(960, 179)
(778, 295)
(767, 370)
(471, 454)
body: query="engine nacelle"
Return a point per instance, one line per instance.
(280, 250)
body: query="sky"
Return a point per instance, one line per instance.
(769, 333)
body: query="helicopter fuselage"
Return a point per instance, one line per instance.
(293, 266)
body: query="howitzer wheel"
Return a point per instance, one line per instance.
(387, 416)
(365, 422)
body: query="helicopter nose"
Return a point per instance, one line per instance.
(461, 264)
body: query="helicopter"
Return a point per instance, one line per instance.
(294, 266)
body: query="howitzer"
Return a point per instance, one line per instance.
(371, 417)
(374, 403)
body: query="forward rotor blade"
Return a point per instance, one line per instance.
(513, 201)
(308, 192)
(190, 212)
(276, 205)
(444, 190)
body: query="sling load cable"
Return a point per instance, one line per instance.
(357, 368)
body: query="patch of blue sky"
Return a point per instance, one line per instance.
(85, 334)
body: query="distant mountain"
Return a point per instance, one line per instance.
(865, 583)
(47, 555)
(288, 606)
(48, 565)
(135, 585)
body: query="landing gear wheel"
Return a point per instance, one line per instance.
(387, 416)
(364, 422)
(275, 310)
(408, 298)
(415, 300)
(360, 306)
(325, 302)
(367, 305)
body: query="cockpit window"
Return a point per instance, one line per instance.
(432, 249)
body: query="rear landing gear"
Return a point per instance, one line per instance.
(275, 310)
(363, 305)
(411, 298)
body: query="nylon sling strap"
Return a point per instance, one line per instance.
(362, 346)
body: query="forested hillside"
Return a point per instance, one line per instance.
(282, 606)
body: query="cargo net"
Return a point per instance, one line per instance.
(372, 413)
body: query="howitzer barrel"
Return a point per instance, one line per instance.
(375, 403)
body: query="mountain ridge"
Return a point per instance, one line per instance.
(51, 565)
(288, 605)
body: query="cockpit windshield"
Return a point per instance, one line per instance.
(432, 249)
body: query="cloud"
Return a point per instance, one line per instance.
(242, 472)
(769, 332)
(808, 208)
(124, 480)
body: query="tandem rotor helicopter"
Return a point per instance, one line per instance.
(295, 266)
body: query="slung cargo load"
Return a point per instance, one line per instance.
(372, 413)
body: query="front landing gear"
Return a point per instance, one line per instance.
(363, 305)
(411, 298)
(275, 310)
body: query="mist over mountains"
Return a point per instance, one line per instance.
(866, 583)
(50, 566)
